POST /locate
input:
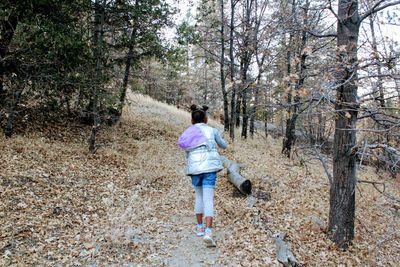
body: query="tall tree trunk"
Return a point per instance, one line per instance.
(244, 89)
(245, 63)
(380, 96)
(245, 113)
(205, 82)
(260, 63)
(267, 100)
(8, 131)
(254, 110)
(342, 190)
(222, 69)
(321, 127)
(290, 134)
(234, 115)
(128, 62)
(397, 85)
(378, 91)
(99, 24)
(238, 105)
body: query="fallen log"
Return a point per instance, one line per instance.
(284, 254)
(234, 176)
(391, 157)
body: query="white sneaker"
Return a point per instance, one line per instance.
(199, 229)
(208, 240)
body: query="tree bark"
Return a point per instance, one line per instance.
(205, 82)
(244, 111)
(397, 84)
(380, 95)
(99, 24)
(320, 136)
(8, 131)
(254, 110)
(234, 115)
(129, 58)
(238, 105)
(245, 63)
(222, 69)
(128, 64)
(260, 63)
(289, 138)
(342, 190)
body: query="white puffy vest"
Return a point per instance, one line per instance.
(205, 158)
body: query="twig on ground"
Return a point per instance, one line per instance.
(374, 184)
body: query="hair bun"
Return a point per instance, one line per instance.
(193, 107)
(205, 108)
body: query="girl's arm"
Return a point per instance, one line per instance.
(218, 138)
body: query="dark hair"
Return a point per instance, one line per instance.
(198, 113)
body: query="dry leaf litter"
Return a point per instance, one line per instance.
(131, 205)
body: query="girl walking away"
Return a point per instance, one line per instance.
(200, 143)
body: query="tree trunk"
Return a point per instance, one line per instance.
(128, 62)
(99, 24)
(320, 136)
(394, 72)
(342, 190)
(244, 111)
(254, 109)
(380, 96)
(238, 105)
(8, 131)
(234, 115)
(266, 110)
(289, 138)
(245, 63)
(260, 64)
(222, 69)
(205, 82)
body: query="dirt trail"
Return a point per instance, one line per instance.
(191, 251)
(187, 249)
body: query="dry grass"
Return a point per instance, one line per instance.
(61, 205)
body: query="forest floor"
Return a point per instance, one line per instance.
(131, 205)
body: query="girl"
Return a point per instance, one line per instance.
(203, 162)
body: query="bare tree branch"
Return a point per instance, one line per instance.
(334, 35)
(377, 7)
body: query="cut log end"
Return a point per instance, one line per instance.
(234, 176)
(245, 187)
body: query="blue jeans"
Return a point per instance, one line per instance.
(204, 180)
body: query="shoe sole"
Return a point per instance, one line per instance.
(209, 242)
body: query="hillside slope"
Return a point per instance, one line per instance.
(130, 203)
